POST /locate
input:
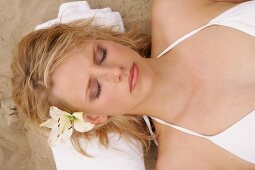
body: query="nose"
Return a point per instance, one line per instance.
(111, 73)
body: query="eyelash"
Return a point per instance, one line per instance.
(98, 90)
(104, 53)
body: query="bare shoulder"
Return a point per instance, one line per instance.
(164, 11)
(169, 17)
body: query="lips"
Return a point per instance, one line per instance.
(133, 77)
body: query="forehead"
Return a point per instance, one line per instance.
(70, 77)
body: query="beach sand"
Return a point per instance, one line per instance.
(23, 146)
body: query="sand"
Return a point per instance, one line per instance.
(23, 146)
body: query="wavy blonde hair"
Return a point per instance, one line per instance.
(41, 51)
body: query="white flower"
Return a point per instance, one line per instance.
(62, 124)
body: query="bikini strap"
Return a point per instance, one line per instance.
(178, 41)
(147, 121)
(187, 131)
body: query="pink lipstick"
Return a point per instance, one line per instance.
(134, 72)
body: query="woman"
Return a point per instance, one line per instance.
(202, 88)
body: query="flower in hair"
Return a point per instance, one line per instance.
(63, 123)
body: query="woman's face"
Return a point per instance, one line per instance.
(94, 79)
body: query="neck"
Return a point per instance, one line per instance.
(171, 90)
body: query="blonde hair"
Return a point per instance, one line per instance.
(40, 52)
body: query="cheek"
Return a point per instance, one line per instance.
(112, 97)
(113, 101)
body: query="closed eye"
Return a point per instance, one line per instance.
(99, 87)
(104, 55)
(98, 90)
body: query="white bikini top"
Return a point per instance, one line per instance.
(239, 139)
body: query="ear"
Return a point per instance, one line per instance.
(95, 119)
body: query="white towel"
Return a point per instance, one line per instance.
(121, 155)
(78, 10)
